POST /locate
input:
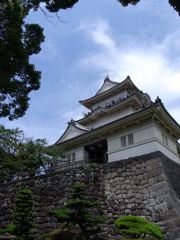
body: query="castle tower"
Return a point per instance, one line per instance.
(122, 122)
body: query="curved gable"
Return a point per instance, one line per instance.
(106, 85)
(73, 130)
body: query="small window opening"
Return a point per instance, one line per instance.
(73, 156)
(130, 139)
(123, 141)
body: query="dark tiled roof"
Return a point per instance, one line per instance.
(151, 106)
(109, 106)
(83, 102)
(114, 121)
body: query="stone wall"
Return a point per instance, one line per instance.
(144, 186)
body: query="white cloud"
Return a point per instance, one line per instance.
(153, 66)
(73, 114)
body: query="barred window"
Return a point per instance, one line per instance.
(127, 140)
(68, 157)
(130, 139)
(73, 156)
(123, 141)
(166, 140)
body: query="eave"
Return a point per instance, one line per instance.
(131, 101)
(140, 116)
(124, 85)
(103, 131)
(165, 120)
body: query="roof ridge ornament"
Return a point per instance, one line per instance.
(72, 121)
(107, 78)
(158, 100)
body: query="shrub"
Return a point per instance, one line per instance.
(135, 227)
(58, 234)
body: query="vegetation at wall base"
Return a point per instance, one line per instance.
(77, 211)
(23, 215)
(22, 226)
(58, 234)
(10, 228)
(134, 227)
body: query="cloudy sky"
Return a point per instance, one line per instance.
(96, 38)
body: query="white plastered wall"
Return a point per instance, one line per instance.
(147, 139)
(169, 150)
(171, 142)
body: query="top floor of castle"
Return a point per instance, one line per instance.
(114, 93)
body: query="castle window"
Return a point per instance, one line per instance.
(123, 141)
(127, 140)
(130, 139)
(68, 157)
(73, 156)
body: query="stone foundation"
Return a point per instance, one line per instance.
(145, 186)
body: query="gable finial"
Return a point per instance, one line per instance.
(71, 121)
(107, 77)
(158, 100)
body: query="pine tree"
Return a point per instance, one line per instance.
(78, 211)
(22, 225)
(23, 215)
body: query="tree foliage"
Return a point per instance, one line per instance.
(18, 41)
(22, 220)
(78, 211)
(173, 3)
(9, 142)
(56, 5)
(36, 155)
(126, 2)
(57, 234)
(22, 157)
(137, 228)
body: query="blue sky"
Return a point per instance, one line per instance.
(96, 38)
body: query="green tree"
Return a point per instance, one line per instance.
(22, 221)
(78, 211)
(21, 157)
(134, 227)
(35, 156)
(9, 142)
(174, 3)
(56, 5)
(18, 41)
